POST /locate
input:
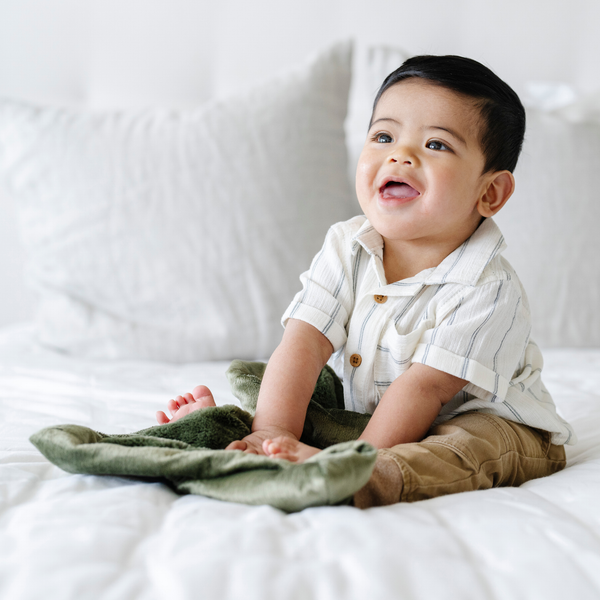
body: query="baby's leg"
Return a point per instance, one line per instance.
(201, 397)
(289, 449)
(473, 451)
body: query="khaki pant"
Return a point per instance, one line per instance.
(474, 451)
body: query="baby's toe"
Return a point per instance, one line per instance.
(162, 418)
(173, 406)
(203, 395)
(201, 390)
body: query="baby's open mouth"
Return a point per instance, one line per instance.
(397, 190)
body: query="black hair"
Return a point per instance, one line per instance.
(503, 115)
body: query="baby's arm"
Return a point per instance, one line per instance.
(404, 414)
(410, 405)
(287, 386)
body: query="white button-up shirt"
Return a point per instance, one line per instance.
(469, 317)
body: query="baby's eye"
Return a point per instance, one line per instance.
(383, 138)
(436, 145)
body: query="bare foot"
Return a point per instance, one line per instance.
(201, 397)
(289, 449)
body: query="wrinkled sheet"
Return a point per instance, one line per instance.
(75, 536)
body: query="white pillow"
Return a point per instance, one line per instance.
(551, 227)
(179, 235)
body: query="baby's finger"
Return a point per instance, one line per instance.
(237, 445)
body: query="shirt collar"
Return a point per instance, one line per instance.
(369, 239)
(465, 265)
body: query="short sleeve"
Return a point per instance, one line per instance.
(326, 298)
(482, 338)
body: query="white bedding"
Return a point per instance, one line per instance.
(69, 536)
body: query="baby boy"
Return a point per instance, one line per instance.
(414, 305)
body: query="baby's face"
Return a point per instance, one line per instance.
(419, 176)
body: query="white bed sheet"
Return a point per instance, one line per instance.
(68, 536)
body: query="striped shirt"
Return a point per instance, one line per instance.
(469, 317)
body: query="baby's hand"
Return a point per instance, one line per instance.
(253, 443)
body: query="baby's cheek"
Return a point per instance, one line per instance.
(364, 179)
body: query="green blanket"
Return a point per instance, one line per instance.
(188, 454)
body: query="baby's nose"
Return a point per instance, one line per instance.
(403, 153)
(405, 160)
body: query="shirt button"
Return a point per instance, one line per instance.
(355, 360)
(381, 299)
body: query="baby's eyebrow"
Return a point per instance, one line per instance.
(383, 119)
(451, 132)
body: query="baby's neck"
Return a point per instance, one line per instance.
(399, 265)
(403, 260)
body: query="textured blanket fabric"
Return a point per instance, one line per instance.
(189, 455)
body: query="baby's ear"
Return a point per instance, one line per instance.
(499, 188)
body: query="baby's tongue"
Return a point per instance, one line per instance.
(398, 190)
